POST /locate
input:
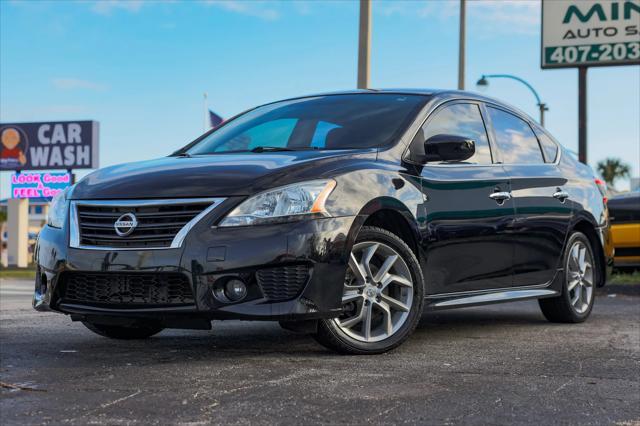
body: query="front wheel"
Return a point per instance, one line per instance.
(580, 275)
(382, 296)
(122, 332)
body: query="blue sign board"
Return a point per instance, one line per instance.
(36, 185)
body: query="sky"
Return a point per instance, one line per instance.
(140, 68)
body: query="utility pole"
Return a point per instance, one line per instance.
(462, 41)
(582, 114)
(18, 232)
(364, 44)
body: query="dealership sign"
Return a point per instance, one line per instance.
(36, 185)
(52, 145)
(590, 33)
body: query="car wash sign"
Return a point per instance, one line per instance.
(39, 185)
(52, 145)
(590, 33)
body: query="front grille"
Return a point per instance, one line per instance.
(127, 289)
(157, 224)
(283, 282)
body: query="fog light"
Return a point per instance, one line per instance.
(235, 290)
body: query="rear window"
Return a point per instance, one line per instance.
(549, 147)
(516, 141)
(321, 122)
(625, 209)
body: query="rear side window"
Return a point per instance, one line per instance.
(462, 120)
(516, 141)
(549, 147)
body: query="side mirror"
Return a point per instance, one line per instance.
(449, 148)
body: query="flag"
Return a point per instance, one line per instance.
(214, 119)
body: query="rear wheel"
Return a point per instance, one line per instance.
(580, 275)
(122, 332)
(382, 296)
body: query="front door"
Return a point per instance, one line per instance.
(470, 215)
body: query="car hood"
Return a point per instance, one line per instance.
(216, 175)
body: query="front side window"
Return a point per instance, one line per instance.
(515, 139)
(462, 120)
(322, 122)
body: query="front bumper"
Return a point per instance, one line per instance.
(207, 257)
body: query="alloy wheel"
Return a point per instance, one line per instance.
(580, 277)
(378, 293)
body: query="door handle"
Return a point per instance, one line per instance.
(561, 195)
(500, 196)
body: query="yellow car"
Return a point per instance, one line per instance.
(624, 214)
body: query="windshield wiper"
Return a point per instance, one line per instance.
(281, 148)
(183, 154)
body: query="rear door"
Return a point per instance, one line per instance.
(542, 213)
(468, 242)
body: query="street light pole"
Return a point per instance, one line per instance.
(541, 105)
(462, 44)
(542, 108)
(364, 44)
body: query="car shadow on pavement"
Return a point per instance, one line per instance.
(245, 340)
(477, 321)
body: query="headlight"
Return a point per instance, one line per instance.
(58, 209)
(282, 204)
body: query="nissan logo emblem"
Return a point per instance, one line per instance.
(125, 224)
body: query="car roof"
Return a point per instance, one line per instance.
(443, 94)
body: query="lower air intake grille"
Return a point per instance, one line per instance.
(284, 282)
(127, 289)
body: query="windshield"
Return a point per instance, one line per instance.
(322, 122)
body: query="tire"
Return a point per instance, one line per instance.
(122, 332)
(392, 301)
(561, 308)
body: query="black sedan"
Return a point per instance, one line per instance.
(343, 215)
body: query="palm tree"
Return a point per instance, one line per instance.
(612, 169)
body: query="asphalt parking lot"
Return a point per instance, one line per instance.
(500, 364)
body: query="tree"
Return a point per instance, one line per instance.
(612, 169)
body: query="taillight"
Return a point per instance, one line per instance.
(602, 187)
